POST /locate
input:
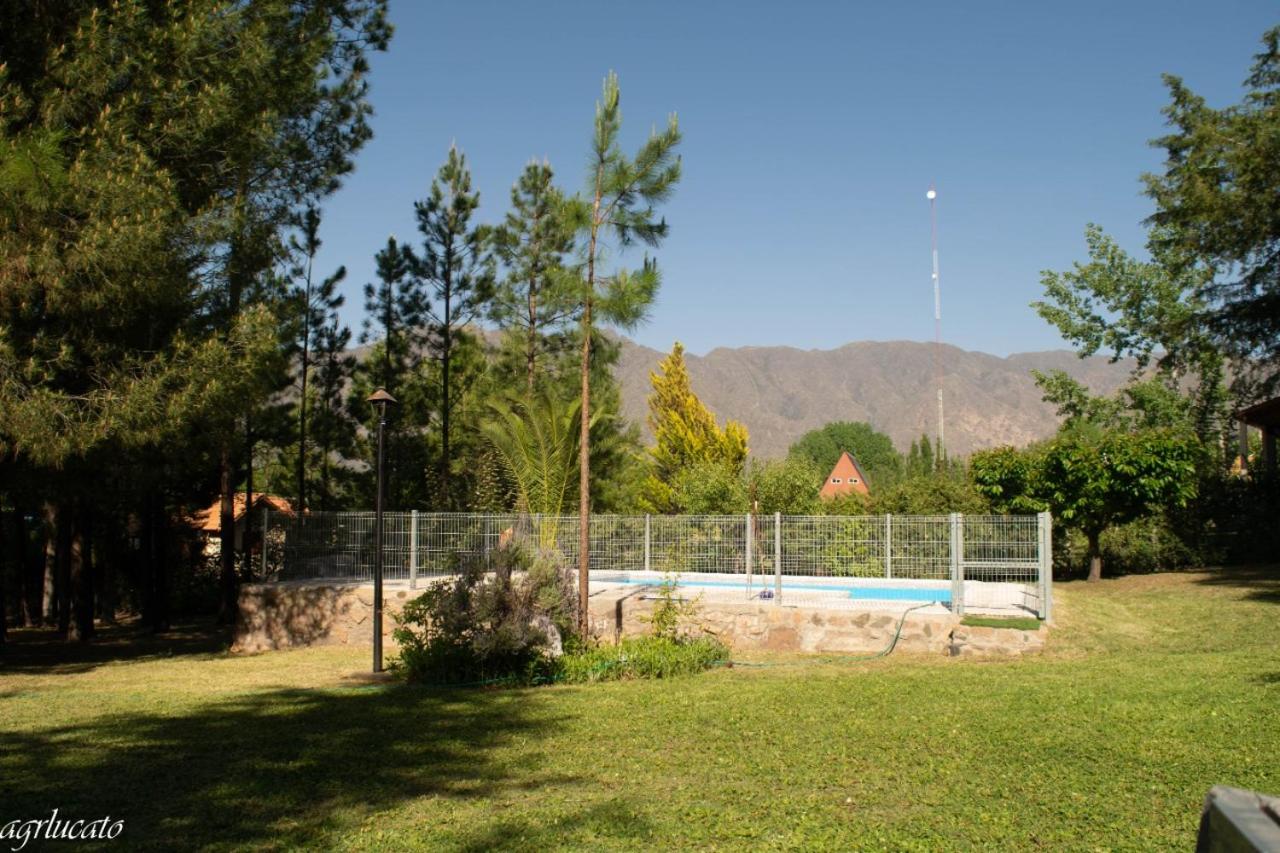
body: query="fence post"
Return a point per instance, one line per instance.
(777, 558)
(749, 537)
(957, 564)
(888, 546)
(1045, 525)
(413, 549)
(646, 542)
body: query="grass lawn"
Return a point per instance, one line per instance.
(1153, 689)
(1020, 623)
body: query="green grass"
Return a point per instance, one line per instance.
(1153, 689)
(642, 657)
(1015, 622)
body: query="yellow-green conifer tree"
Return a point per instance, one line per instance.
(685, 433)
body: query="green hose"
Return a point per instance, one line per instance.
(885, 652)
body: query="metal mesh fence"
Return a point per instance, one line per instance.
(980, 562)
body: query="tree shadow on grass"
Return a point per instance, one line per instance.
(283, 768)
(1261, 582)
(601, 826)
(43, 650)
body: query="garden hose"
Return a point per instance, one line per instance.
(885, 652)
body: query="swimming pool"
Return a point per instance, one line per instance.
(765, 590)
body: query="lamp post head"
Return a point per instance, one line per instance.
(380, 399)
(931, 194)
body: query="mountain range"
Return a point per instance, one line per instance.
(780, 393)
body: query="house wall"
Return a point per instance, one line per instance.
(844, 471)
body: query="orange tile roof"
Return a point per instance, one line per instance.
(210, 519)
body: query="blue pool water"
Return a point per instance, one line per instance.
(879, 593)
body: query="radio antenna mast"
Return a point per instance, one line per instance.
(932, 195)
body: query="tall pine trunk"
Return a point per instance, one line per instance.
(247, 544)
(584, 430)
(302, 401)
(227, 540)
(63, 585)
(49, 566)
(156, 592)
(5, 564)
(29, 571)
(584, 476)
(164, 569)
(446, 352)
(80, 629)
(531, 340)
(446, 356)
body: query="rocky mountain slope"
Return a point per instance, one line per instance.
(782, 392)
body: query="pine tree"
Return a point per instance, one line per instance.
(685, 434)
(332, 426)
(318, 308)
(393, 312)
(456, 268)
(1216, 211)
(535, 298)
(294, 132)
(623, 192)
(138, 207)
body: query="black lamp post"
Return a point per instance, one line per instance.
(380, 399)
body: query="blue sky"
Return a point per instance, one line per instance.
(811, 133)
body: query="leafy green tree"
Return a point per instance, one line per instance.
(1215, 209)
(789, 486)
(920, 461)
(710, 488)
(457, 271)
(1155, 402)
(1095, 479)
(930, 494)
(1149, 311)
(535, 298)
(685, 433)
(1138, 309)
(874, 451)
(1010, 478)
(622, 193)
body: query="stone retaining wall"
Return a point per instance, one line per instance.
(277, 616)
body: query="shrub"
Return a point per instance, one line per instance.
(671, 613)
(789, 486)
(483, 625)
(642, 657)
(710, 488)
(931, 494)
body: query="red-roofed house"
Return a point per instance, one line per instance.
(845, 478)
(209, 521)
